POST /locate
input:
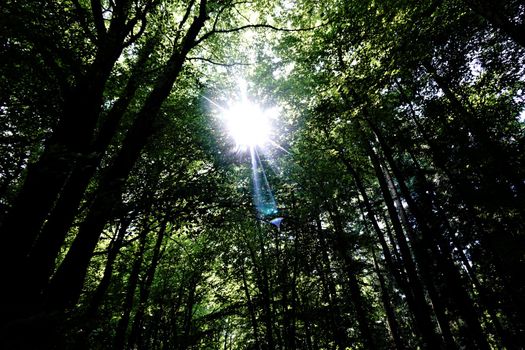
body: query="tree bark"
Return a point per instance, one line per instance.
(413, 289)
(356, 296)
(45, 178)
(431, 240)
(389, 310)
(251, 309)
(66, 285)
(113, 250)
(70, 139)
(47, 247)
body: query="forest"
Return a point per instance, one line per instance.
(262, 174)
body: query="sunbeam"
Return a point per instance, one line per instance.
(264, 200)
(250, 128)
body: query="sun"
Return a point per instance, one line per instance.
(247, 123)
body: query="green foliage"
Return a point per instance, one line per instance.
(400, 184)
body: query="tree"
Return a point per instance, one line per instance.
(397, 169)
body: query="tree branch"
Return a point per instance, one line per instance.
(82, 18)
(142, 17)
(183, 21)
(253, 26)
(96, 11)
(233, 64)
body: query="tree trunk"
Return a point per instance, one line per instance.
(251, 309)
(338, 329)
(413, 289)
(70, 139)
(119, 341)
(266, 294)
(46, 177)
(431, 239)
(188, 314)
(358, 301)
(66, 285)
(389, 310)
(135, 335)
(113, 250)
(47, 247)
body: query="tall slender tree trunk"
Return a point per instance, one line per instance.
(356, 297)
(188, 313)
(119, 341)
(431, 240)
(389, 310)
(251, 309)
(113, 250)
(266, 294)
(413, 289)
(336, 320)
(136, 329)
(426, 263)
(463, 193)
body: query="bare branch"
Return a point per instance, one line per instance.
(224, 64)
(96, 10)
(253, 26)
(184, 19)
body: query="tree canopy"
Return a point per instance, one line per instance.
(383, 208)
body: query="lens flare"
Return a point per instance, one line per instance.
(250, 127)
(247, 124)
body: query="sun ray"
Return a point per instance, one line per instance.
(250, 127)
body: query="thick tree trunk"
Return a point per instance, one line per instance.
(70, 140)
(66, 285)
(47, 247)
(45, 179)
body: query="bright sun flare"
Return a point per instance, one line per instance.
(247, 124)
